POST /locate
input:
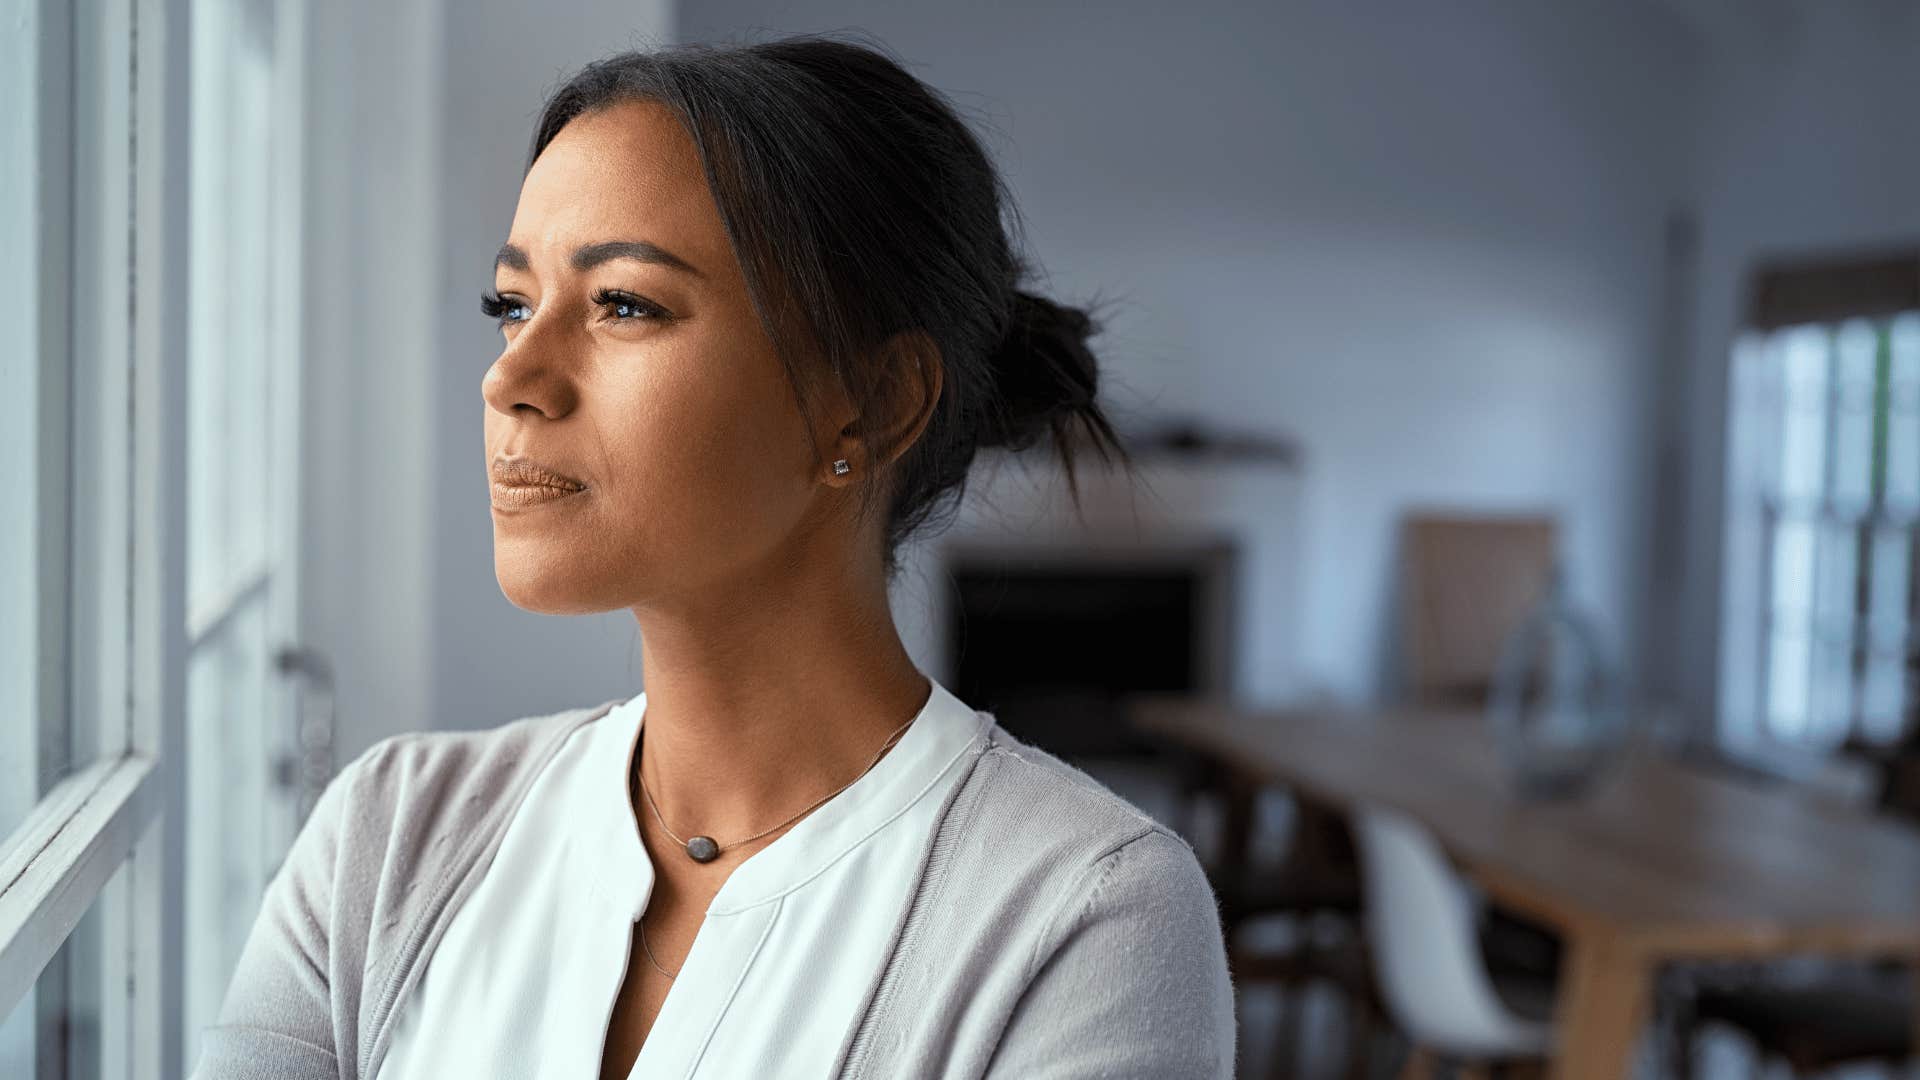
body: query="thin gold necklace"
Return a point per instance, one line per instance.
(704, 849)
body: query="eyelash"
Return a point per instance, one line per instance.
(496, 306)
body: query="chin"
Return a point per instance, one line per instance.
(544, 588)
(535, 599)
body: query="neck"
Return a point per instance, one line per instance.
(758, 708)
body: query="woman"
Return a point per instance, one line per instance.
(759, 312)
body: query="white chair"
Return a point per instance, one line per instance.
(1421, 923)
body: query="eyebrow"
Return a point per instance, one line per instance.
(588, 256)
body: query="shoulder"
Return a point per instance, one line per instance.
(414, 753)
(1128, 972)
(1014, 780)
(436, 772)
(417, 807)
(1062, 929)
(1053, 836)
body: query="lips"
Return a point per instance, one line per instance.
(520, 472)
(521, 482)
(523, 496)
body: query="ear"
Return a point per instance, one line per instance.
(911, 375)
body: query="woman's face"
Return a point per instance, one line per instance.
(635, 364)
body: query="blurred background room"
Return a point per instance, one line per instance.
(1515, 607)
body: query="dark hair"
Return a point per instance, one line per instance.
(860, 206)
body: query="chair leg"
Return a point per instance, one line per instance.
(1682, 1034)
(1359, 1038)
(1286, 1049)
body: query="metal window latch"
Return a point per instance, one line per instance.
(310, 766)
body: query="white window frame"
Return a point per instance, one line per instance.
(116, 643)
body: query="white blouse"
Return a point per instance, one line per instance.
(523, 982)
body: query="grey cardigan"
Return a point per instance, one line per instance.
(1056, 931)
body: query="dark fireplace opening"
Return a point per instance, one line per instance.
(1052, 645)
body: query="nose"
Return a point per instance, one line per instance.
(533, 372)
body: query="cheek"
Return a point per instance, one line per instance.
(707, 460)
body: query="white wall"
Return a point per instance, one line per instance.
(1809, 142)
(1427, 242)
(373, 101)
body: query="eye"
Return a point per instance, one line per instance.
(626, 305)
(500, 309)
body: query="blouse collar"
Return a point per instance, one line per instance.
(941, 732)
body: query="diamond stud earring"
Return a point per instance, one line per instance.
(841, 468)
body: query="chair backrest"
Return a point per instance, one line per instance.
(1469, 581)
(1424, 938)
(1899, 792)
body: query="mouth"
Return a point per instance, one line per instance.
(520, 482)
(521, 496)
(526, 472)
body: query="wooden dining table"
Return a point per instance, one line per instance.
(1658, 861)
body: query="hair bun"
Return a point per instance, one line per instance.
(1044, 373)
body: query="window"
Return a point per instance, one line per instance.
(1824, 508)
(90, 600)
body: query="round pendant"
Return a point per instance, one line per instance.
(703, 849)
